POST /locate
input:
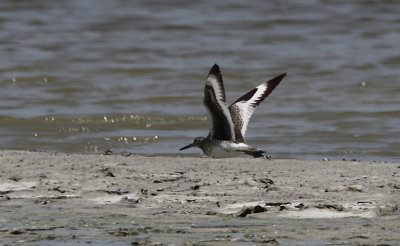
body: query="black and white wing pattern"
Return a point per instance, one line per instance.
(242, 109)
(215, 102)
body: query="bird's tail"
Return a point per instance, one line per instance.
(256, 153)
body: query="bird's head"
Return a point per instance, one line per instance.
(197, 142)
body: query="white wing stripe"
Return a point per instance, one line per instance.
(213, 82)
(219, 95)
(246, 108)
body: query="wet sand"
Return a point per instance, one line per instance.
(65, 199)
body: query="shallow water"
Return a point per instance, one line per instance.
(87, 76)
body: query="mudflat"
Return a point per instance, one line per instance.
(65, 199)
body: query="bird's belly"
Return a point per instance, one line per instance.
(221, 152)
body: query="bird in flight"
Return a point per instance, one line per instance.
(229, 124)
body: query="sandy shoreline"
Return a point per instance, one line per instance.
(119, 200)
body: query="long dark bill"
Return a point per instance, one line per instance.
(187, 146)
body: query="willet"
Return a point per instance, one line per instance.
(229, 124)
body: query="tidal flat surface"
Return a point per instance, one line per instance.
(76, 199)
(84, 77)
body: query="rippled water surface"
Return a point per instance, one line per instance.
(86, 76)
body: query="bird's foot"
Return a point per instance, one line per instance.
(268, 157)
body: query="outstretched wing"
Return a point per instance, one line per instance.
(242, 109)
(215, 102)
